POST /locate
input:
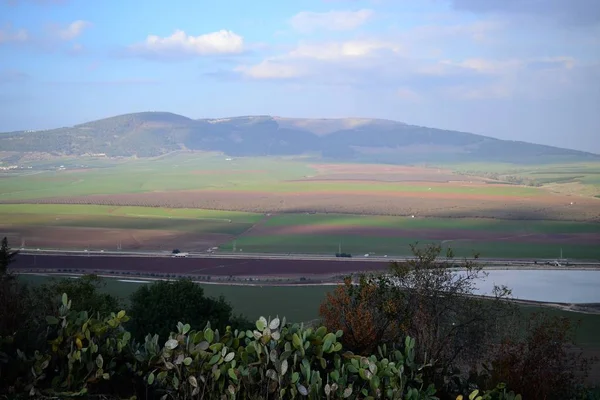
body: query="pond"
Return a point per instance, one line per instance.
(561, 286)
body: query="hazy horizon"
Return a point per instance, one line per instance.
(514, 70)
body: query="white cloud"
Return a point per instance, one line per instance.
(72, 31)
(306, 59)
(10, 35)
(182, 44)
(270, 69)
(485, 66)
(307, 21)
(346, 49)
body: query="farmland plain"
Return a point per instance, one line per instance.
(197, 201)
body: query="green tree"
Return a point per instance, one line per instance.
(85, 291)
(6, 256)
(157, 308)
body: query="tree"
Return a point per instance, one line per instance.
(452, 325)
(426, 299)
(85, 291)
(544, 363)
(6, 256)
(367, 313)
(157, 308)
(13, 304)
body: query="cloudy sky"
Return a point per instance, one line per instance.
(512, 69)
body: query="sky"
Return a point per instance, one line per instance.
(512, 69)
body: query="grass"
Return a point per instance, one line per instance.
(204, 172)
(320, 244)
(301, 303)
(587, 175)
(479, 224)
(400, 246)
(95, 216)
(184, 172)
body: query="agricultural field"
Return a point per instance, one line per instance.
(301, 303)
(196, 201)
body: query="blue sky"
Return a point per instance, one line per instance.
(513, 69)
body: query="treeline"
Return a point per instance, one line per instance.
(414, 333)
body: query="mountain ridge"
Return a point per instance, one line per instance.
(153, 133)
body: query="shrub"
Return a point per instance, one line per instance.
(85, 355)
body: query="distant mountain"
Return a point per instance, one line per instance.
(348, 139)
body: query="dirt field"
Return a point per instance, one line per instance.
(109, 239)
(425, 204)
(201, 266)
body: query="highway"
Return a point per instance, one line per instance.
(488, 263)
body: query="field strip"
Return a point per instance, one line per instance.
(500, 238)
(175, 217)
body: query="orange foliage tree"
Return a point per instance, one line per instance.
(366, 311)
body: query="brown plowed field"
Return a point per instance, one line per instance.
(109, 239)
(427, 204)
(200, 266)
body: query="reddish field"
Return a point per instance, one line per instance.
(550, 206)
(109, 239)
(243, 267)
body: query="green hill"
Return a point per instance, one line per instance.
(350, 139)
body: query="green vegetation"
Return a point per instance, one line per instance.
(299, 303)
(581, 178)
(416, 224)
(396, 246)
(151, 134)
(276, 359)
(60, 351)
(96, 216)
(184, 172)
(154, 307)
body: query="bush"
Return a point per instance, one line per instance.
(159, 306)
(86, 355)
(545, 363)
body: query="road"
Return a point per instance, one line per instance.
(488, 263)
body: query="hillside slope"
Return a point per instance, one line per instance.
(351, 139)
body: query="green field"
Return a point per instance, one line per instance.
(301, 303)
(348, 230)
(96, 216)
(296, 303)
(480, 224)
(359, 245)
(281, 184)
(580, 178)
(184, 172)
